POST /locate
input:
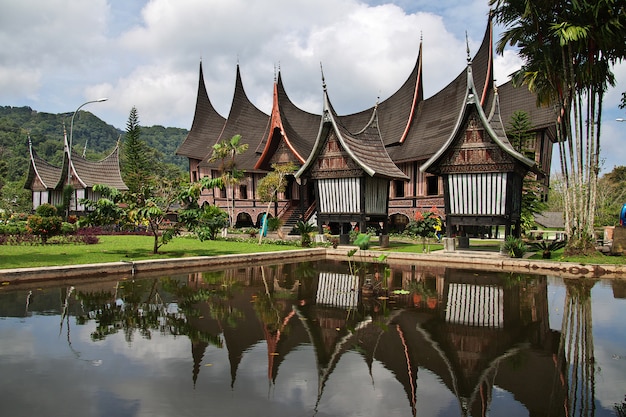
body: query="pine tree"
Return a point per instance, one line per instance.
(136, 161)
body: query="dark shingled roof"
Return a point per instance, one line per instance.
(396, 113)
(48, 175)
(207, 123)
(520, 98)
(412, 128)
(105, 171)
(493, 126)
(365, 147)
(550, 219)
(301, 127)
(244, 119)
(88, 173)
(298, 128)
(435, 121)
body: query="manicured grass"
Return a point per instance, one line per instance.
(408, 246)
(597, 259)
(124, 248)
(133, 248)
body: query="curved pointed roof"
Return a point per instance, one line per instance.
(396, 113)
(434, 121)
(297, 127)
(493, 127)
(207, 123)
(106, 171)
(47, 175)
(365, 147)
(244, 119)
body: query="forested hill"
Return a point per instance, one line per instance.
(46, 134)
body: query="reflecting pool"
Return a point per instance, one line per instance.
(315, 339)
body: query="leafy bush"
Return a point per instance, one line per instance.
(274, 223)
(46, 210)
(363, 241)
(67, 228)
(252, 232)
(212, 219)
(13, 227)
(44, 227)
(514, 247)
(304, 229)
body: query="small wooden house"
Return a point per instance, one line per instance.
(482, 173)
(47, 181)
(351, 173)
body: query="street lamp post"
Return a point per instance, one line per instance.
(69, 150)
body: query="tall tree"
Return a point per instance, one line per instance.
(136, 162)
(568, 49)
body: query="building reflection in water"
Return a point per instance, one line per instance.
(475, 331)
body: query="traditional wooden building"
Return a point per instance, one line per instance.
(406, 129)
(351, 172)
(482, 173)
(47, 181)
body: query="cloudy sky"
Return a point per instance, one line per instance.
(57, 54)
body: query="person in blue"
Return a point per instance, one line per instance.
(622, 216)
(264, 225)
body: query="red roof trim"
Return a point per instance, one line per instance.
(416, 96)
(276, 122)
(489, 75)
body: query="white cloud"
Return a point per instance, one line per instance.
(57, 54)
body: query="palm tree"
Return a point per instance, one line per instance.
(225, 151)
(568, 49)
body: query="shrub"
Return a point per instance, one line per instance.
(46, 210)
(274, 223)
(547, 247)
(514, 247)
(252, 232)
(304, 229)
(67, 228)
(44, 227)
(13, 227)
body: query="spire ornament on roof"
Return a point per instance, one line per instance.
(323, 79)
(469, 58)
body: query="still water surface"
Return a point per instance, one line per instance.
(302, 340)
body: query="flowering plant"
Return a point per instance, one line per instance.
(426, 225)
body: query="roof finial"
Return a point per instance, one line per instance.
(468, 49)
(275, 76)
(323, 79)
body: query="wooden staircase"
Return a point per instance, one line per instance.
(290, 217)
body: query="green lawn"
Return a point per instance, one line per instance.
(133, 248)
(124, 248)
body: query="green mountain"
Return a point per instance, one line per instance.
(90, 135)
